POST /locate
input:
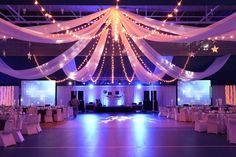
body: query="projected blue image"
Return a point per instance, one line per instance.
(38, 93)
(194, 92)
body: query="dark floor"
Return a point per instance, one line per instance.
(121, 135)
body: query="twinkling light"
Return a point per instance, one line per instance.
(156, 30)
(115, 21)
(89, 54)
(116, 30)
(117, 4)
(138, 56)
(68, 31)
(42, 72)
(112, 61)
(152, 31)
(103, 61)
(172, 13)
(165, 70)
(123, 65)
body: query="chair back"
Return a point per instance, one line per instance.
(9, 126)
(49, 112)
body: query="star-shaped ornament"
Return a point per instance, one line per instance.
(29, 55)
(4, 53)
(214, 49)
(191, 54)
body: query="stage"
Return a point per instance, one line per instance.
(115, 109)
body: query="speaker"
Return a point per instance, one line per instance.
(155, 105)
(81, 106)
(73, 94)
(146, 96)
(81, 95)
(147, 105)
(117, 92)
(154, 95)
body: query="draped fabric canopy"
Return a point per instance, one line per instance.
(127, 30)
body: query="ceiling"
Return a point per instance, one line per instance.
(192, 12)
(195, 13)
(123, 2)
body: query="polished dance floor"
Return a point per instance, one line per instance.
(121, 135)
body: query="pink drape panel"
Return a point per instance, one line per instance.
(66, 59)
(47, 68)
(86, 73)
(230, 94)
(170, 69)
(52, 28)
(36, 36)
(220, 28)
(7, 95)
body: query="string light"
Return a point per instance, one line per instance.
(48, 78)
(89, 54)
(172, 13)
(138, 56)
(115, 19)
(117, 4)
(112, 61)
(71, 76)
(223, 37)
(123, 65)
(102, 64)
(156, 30)
(174, 79)
(153, 31)
(66, 29)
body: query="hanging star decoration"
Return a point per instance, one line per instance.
(29, 55)
(214, 49)
(191, 54)
(4, 53)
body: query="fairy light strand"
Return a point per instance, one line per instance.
(48, 78)
(123, 65)
(174, 79)
(66, 29)
(156, 30)
(138, 56)
(153, 31)
(103, 62)
(112, 61)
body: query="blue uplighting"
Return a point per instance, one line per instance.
(139, 86)
(91, 86)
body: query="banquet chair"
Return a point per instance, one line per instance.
(213, 124)
(70, 112)
(17, 131)
(38, 127)
(200, 124)
(29, 126)
(172, 113)
(183, 115)
(32, 110)
(176, 114)
(65, 113)
(58, 117)
(191, 111)
(161, 111)
(6, 136)
(48, 116)
(231, 131)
